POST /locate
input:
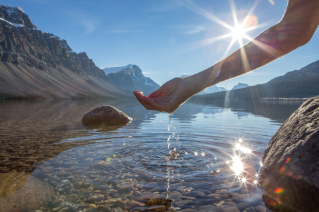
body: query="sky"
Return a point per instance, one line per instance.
(165, 38)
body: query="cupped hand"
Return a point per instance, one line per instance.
(168, 97)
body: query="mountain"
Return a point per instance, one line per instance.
(114, 69)
(311, 70)
(36, 63)
(240, 86)
(132, 79)
(211, 89)
(215, 89)
(303, 83)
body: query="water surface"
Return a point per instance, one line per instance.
(205, 158)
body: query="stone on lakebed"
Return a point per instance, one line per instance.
(290, 171)
(107, 115)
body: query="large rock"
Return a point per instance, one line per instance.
(290, 172)
(106, 115)
(31, 196)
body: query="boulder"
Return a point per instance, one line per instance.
(290, 171)
(106, 115)
(33, 194)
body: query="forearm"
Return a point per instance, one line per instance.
(273, 43)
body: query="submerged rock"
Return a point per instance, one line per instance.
(34, 194)
(107, 115)
(290, 172)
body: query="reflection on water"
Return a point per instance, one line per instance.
(202, 158)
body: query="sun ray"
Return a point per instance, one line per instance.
(244, 59)
(270, 50)
(229, 47)
(258, 26)
(233, 12)
(204, 13)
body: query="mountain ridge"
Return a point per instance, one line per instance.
(302, 83)
(30, 57)
(131, 79)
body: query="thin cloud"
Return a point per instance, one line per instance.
(81, 18)
(129, 26)
(121, 31)
(169, 5)
(192, 29)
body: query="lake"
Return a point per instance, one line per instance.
(205, 157)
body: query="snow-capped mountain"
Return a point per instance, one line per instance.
(132, 79)
(44, 65)
(240, 86)
(110, 70)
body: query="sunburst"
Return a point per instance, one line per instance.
(238, 31)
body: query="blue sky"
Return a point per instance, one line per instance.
(163, 37)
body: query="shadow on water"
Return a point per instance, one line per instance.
(48, 156)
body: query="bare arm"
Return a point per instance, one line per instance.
(294, 30)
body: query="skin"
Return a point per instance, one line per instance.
(296, 28)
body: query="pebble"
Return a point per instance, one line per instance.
(104, 208)
(95, 198)
(260, 208)
(229, 208)
(118, 209)
(188, 198)
(92, 206)
(207, 208)
(242, 206)
(188, 210)
(250, 209)
(158, 208)
(197, 194)
(215, 197)
(134, 204)
(219, 203)
(183, 202)
(181, 189)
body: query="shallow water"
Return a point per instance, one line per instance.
(206, 155)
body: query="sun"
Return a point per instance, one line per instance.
(238, 32)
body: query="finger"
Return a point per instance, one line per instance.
(156, 93)
(145, 101)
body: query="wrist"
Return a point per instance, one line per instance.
(194, 84)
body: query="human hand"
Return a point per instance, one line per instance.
(168, 97)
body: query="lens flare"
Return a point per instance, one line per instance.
(237, 166)
(242, 148)
(271, 2)
(244, 180)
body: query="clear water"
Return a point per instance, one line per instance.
(200, 151)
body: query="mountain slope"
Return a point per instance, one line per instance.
(240, 86)
(114, 69)
(303, 83)
(33, 62)
(132, 79)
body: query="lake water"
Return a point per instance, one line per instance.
(206, 158)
